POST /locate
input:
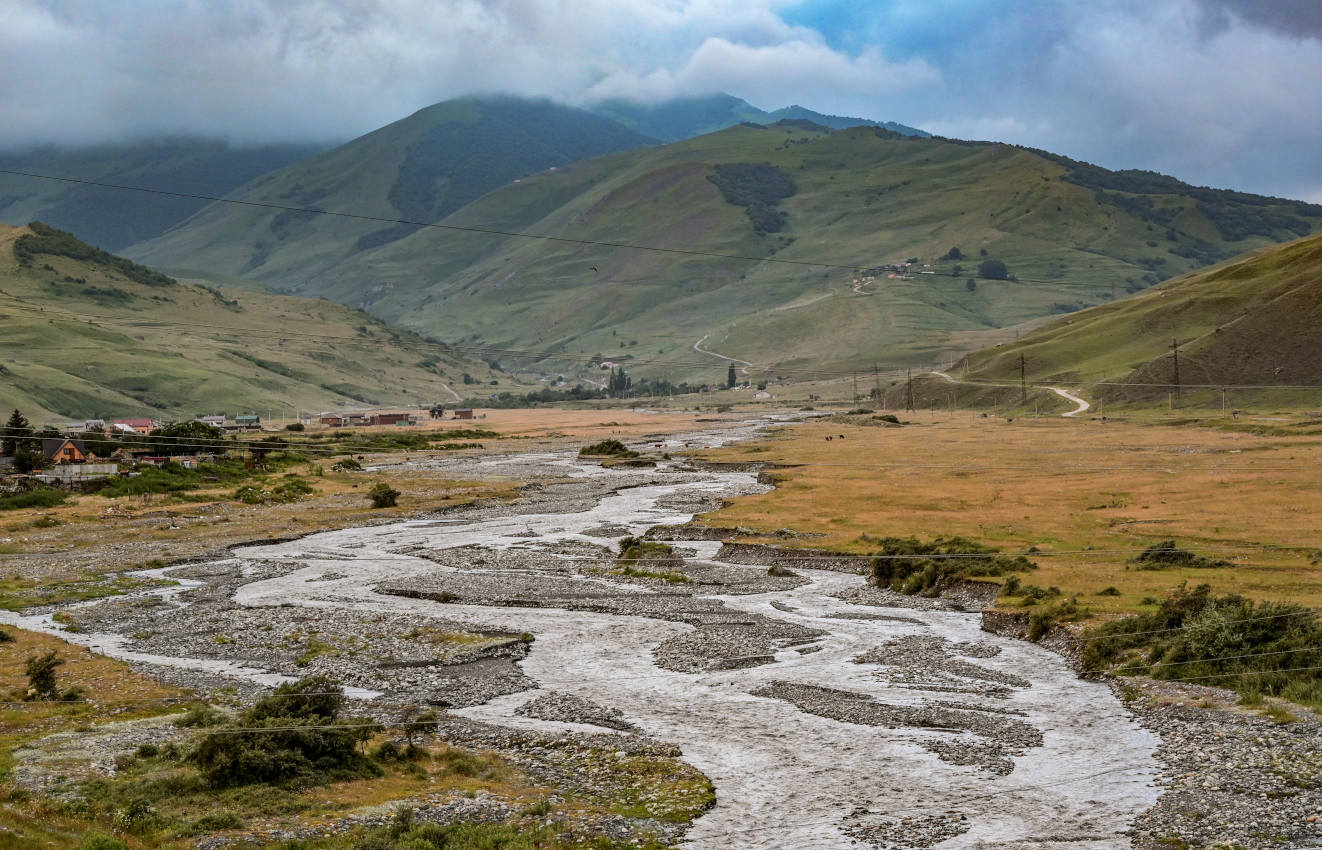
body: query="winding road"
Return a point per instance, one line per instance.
(1083, 406)
(697, 346)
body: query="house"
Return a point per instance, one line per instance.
(248, 421)
(334, 420)
(63, 450)
(463, 413)
(390, 419)
(217, 421)
(135, 426)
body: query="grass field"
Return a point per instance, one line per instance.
(1090, 495)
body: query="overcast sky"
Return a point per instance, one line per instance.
(1220, 92)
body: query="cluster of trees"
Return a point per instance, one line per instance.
(47, 240)
(22, 442)
(758, 187)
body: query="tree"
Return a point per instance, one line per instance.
(956, 270)
(28, 459)
(188, 438)
(16, 428)
(993, 269)
(41, 675)
(954, 254)
(731, 378)
(383, 495)
(971, 285)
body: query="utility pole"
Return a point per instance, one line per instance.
(855, 390)
(876, 385)
(908, 390)
(1023, 385)
(1223, 400)
(1175, 355)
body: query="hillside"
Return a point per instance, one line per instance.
(1073, 235)
(90, 335)
(684, 118)
(113, 219)
(421, 168)
(1251, 321)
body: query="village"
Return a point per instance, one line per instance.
(94, 450)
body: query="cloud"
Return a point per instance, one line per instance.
(1221, 92)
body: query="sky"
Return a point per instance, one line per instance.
(1226, 93)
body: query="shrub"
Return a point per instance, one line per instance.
(147, 751)
(348, 464)
(912, 566)
(1108, 591)
(382, 495)
(1165, 554)
(607, 448)
(295, 426)
(993, 269)
(200, 716)
(101, 841)
(6, 636)
(294, 732)
(42, 497)
(40, 670)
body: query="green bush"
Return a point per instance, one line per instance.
(101, 841)
(1165, 554)
(607, 448)
(382, 495)
(6, 636)
(347, 464)
(293, 733)
(1229, 641)
(295, 426)
(42, 497)
(911, 566)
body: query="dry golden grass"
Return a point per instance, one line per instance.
(1096, 492)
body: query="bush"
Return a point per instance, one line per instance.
(347, 464)
(40, 670)
(382, 495)
(295, 426)
(607, 448)
(294, 732)
(101, 841)
(993, 269)
(1160, 556)
(6, 636)
(200, 716)
(1195, 635)
(42, 497)
(911, 566)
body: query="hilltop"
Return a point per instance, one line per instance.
(1070, 235)
(112, 219)
(1250, 321)
(420, 168)
(684, 118)
(91, 335)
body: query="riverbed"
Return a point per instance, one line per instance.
(822, 723)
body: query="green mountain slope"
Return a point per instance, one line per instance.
(114, 219)
(420, 168)
(860, 197)
(1251, 321)
(684, 118)
(87, 334)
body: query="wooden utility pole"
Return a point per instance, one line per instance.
(1175, 355)
(876, 385)
(1023, 384)
(908, 390)
(855, 390)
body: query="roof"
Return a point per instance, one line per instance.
(136, 423)
(51, 446)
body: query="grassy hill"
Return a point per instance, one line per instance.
(1251, 321)
(86, 334)
(1073, 235)
(113, 219)
(684, 118)
(420, 168)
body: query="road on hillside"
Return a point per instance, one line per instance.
(697, 346)
(1083, 406)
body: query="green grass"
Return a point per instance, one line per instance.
(17, 594)
(165, 350)
(862, 199)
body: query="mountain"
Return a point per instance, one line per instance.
(421, 168)
(684, 118)
(1251, 321)
(113, 219)
(1072, 235)
(88, 334)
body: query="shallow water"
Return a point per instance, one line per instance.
(784, 778)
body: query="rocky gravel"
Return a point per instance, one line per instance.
(928, 662)
(567, 708)
(1001, 737)
(1233, 778)
(904, 833)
